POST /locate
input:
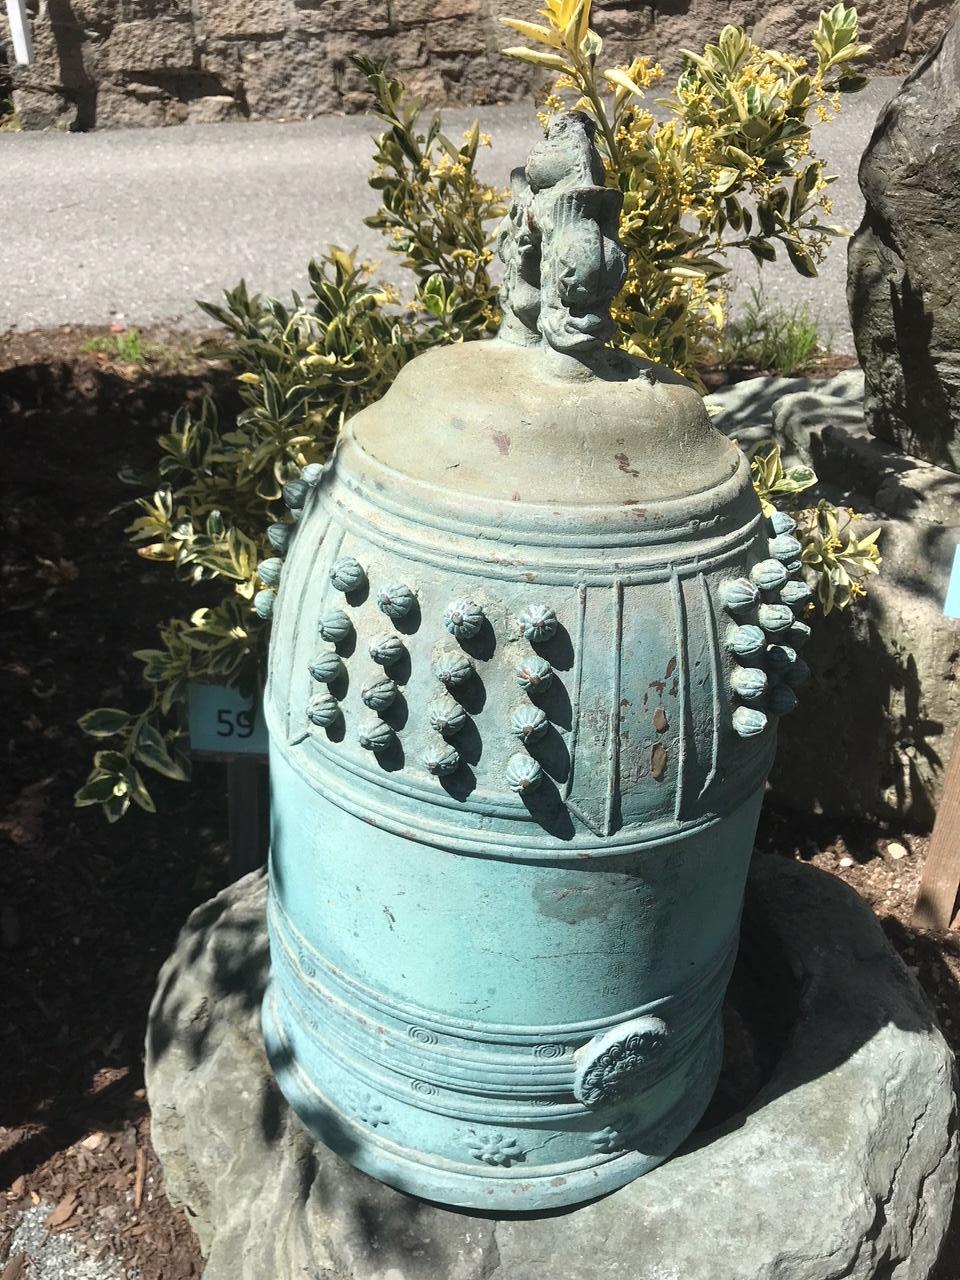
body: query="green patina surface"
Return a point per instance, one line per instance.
(512, 821)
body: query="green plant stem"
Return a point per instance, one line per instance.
(588, 85)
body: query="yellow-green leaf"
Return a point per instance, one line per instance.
(533, 31)
(552, 61)
(619, 78)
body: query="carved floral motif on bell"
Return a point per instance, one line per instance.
(612, 1063)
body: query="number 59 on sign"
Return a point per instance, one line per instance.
(224, 723)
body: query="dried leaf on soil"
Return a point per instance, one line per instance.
(16, 1268)
(63, 1212)
(139, 1176)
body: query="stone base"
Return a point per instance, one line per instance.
(842, 1162)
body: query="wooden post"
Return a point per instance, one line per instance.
(247, 804)
(937, 899)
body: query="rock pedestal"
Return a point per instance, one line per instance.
(902, 281)
(842, 1163)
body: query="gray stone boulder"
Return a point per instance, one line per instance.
(903, 283)
(872, 732)
(840, 1161)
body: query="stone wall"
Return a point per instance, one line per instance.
(109, 63)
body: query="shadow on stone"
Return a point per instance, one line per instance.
(69, 36)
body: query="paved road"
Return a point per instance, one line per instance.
(133, 225)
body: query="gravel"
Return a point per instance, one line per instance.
(56, 1255)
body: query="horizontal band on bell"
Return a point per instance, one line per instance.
(411, 1096)
(483, 1103)
(372, 1003)
(330, 774)
(692, 543)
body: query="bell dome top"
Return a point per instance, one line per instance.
(546, 413)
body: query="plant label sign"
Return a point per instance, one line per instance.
(224, 723)
(951, 605)
(20, 31)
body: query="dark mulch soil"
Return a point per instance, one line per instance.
(88, 912)
(714, 376)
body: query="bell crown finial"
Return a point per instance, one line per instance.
(559, 244)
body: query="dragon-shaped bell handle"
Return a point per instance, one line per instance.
(563, 261)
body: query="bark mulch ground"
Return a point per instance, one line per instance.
(88, 912)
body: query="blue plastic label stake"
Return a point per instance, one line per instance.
(951, 606)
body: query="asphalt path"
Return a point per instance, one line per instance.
(131, 226)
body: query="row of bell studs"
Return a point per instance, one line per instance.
(463, 619)
(776, 636)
